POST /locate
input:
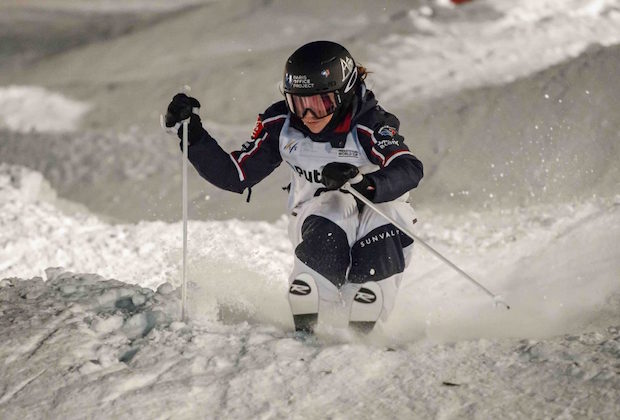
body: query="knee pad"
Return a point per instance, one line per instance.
(378, 255)
(324, 248)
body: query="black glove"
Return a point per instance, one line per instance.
(181, 108)
(336, 174)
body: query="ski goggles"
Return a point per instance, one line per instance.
(320, 105)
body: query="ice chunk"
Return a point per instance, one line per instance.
(52, 273)
(107, 325)
(165, 289)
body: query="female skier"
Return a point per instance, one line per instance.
(330, 130)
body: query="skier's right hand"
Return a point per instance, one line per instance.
(180, 108)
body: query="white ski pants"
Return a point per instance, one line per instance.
(342, 247)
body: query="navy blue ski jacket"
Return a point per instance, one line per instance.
(367, 135)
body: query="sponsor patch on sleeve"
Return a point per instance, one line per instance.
(387, 138)
(387, 131)
(258, 128)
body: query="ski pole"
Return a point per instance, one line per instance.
(185, 159)
(185, 205)
(496, 298)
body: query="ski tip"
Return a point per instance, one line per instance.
(367, 305)
(303, 295)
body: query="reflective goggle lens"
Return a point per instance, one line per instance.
(320, 105)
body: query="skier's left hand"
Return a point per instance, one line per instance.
(181, 108)
(336, 174)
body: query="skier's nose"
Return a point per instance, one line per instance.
(309, 117)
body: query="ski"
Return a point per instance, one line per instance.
(366, 307)
(303, 297)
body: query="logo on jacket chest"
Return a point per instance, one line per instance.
(309, 175)
(302, 148)
(291, 146)
(347, 153)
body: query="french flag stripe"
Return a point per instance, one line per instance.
(378, 155)
(373, 150)
(395, 155)
(239, 170)
(364, 128)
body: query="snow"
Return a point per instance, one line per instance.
(89, 307)
(124, 359)
(36, 235)
(444, 352)
(493, 42)
(111, 6)
(32, 108)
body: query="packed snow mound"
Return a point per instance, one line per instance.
(549, 138)
(33, 108)
(36, 234)
(132, 176)
(120, 349)
(486, 42)
(228, 272)
(238, 270)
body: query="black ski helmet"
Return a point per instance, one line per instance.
(320, 67)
